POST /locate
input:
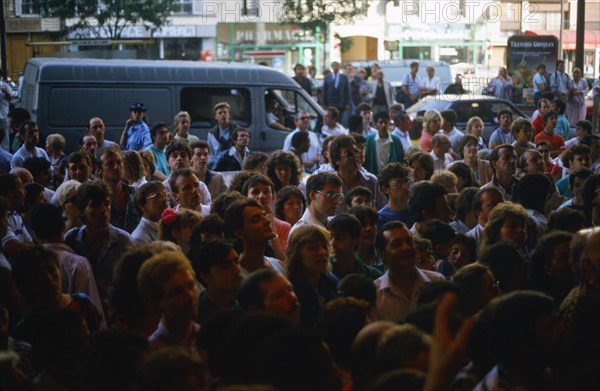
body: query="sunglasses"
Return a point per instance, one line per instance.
(351, 153)
(332, 195)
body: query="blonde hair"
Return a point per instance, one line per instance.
(133, 165)
(472, 121)
(446, 178)
(302, 236)
(178, 117)
(429, 116)
(157, 270)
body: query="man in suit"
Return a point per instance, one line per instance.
(336, 89)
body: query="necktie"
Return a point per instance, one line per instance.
(336, 79)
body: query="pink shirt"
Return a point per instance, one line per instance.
(426, 143)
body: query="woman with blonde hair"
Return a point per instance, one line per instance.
(133, 169)
(432, 123)
(182, 123)
(308, 270)
(176, 226)
(475, 128)
(149, 161)
(576, 98)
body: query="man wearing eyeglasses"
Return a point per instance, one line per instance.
(151, 200)
(324, 194)
(311, 158)
(346, 161)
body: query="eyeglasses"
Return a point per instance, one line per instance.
(351, 153)
(157, 195)
(396, 184)
(332, 195)
(304, 118)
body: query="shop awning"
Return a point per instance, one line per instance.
(591, 38)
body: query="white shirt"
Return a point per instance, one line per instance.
(594, 86)
(477, 234)
(338, 130)
(392, 304)
(439, 164)
(404, 137)
(434, 82)
(307, 218)
(76, 273)
(382, 146)
(315, 145)
(146, 231)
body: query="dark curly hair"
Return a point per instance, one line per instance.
(282, 158)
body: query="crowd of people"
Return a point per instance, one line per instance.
(396, 254)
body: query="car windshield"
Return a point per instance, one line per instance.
(421, 107)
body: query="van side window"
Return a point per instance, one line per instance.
(199, 102)
(292, 102)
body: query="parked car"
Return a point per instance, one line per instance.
(484, 107)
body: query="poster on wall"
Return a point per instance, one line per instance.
(526, 52)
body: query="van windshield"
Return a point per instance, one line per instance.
(199, 103)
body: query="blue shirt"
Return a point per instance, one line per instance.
(562, 126)
(138, 137)
(538, 79)
(386, 215)
(499, 137)
(104, 263)
(413, 84)
(23, 154)
(161, 160)
(563, 187)
(5, 161)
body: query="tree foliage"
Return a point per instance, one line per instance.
(108, 18)
(313, 13)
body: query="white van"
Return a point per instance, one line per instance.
(63, 94)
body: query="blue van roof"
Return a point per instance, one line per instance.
(158, 71)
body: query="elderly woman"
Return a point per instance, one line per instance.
(467, 149)
(432, 123)
(308, 271)
(290, 204)
(284, 168)
(576, 98)
(55, 146)
(501, 86)
(182, 122)
(475, 128)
